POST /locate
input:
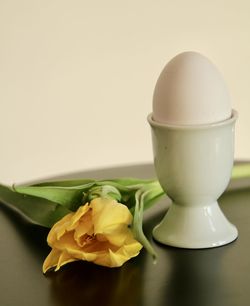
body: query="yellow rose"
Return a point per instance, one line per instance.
(96, 232)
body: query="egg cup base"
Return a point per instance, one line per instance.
(195, 227)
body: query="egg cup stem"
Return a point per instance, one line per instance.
(195, 227)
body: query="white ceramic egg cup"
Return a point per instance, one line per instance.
(193, 165)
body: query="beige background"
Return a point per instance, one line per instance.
(77, 77)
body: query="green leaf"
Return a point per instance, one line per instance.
(137, 226)
(67, 183)
(153, 192)
(70, 197)
(241, 171)
(65, 197)
(36, 210)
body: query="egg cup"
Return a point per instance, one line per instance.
(193, 165)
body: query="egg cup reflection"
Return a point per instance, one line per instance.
(193, 165)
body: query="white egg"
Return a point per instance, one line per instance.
(190, 91)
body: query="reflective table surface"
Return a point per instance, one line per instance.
(211, 277)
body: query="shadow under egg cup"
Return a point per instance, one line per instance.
(193, 165)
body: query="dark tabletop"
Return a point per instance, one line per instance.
(210, 277)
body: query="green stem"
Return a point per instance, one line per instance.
(138, 222)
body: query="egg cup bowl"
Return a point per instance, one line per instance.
(193, 164)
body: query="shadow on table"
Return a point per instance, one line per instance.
(33, 236)
(83, 283)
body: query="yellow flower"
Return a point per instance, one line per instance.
(96, 232)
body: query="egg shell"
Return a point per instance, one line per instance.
(191, 91)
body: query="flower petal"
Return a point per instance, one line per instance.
(58, 229)
(67, 223)
(51, 260)
(85, 227)
(96, 232)
(118, 258)
(108, 215)
(64, 258)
